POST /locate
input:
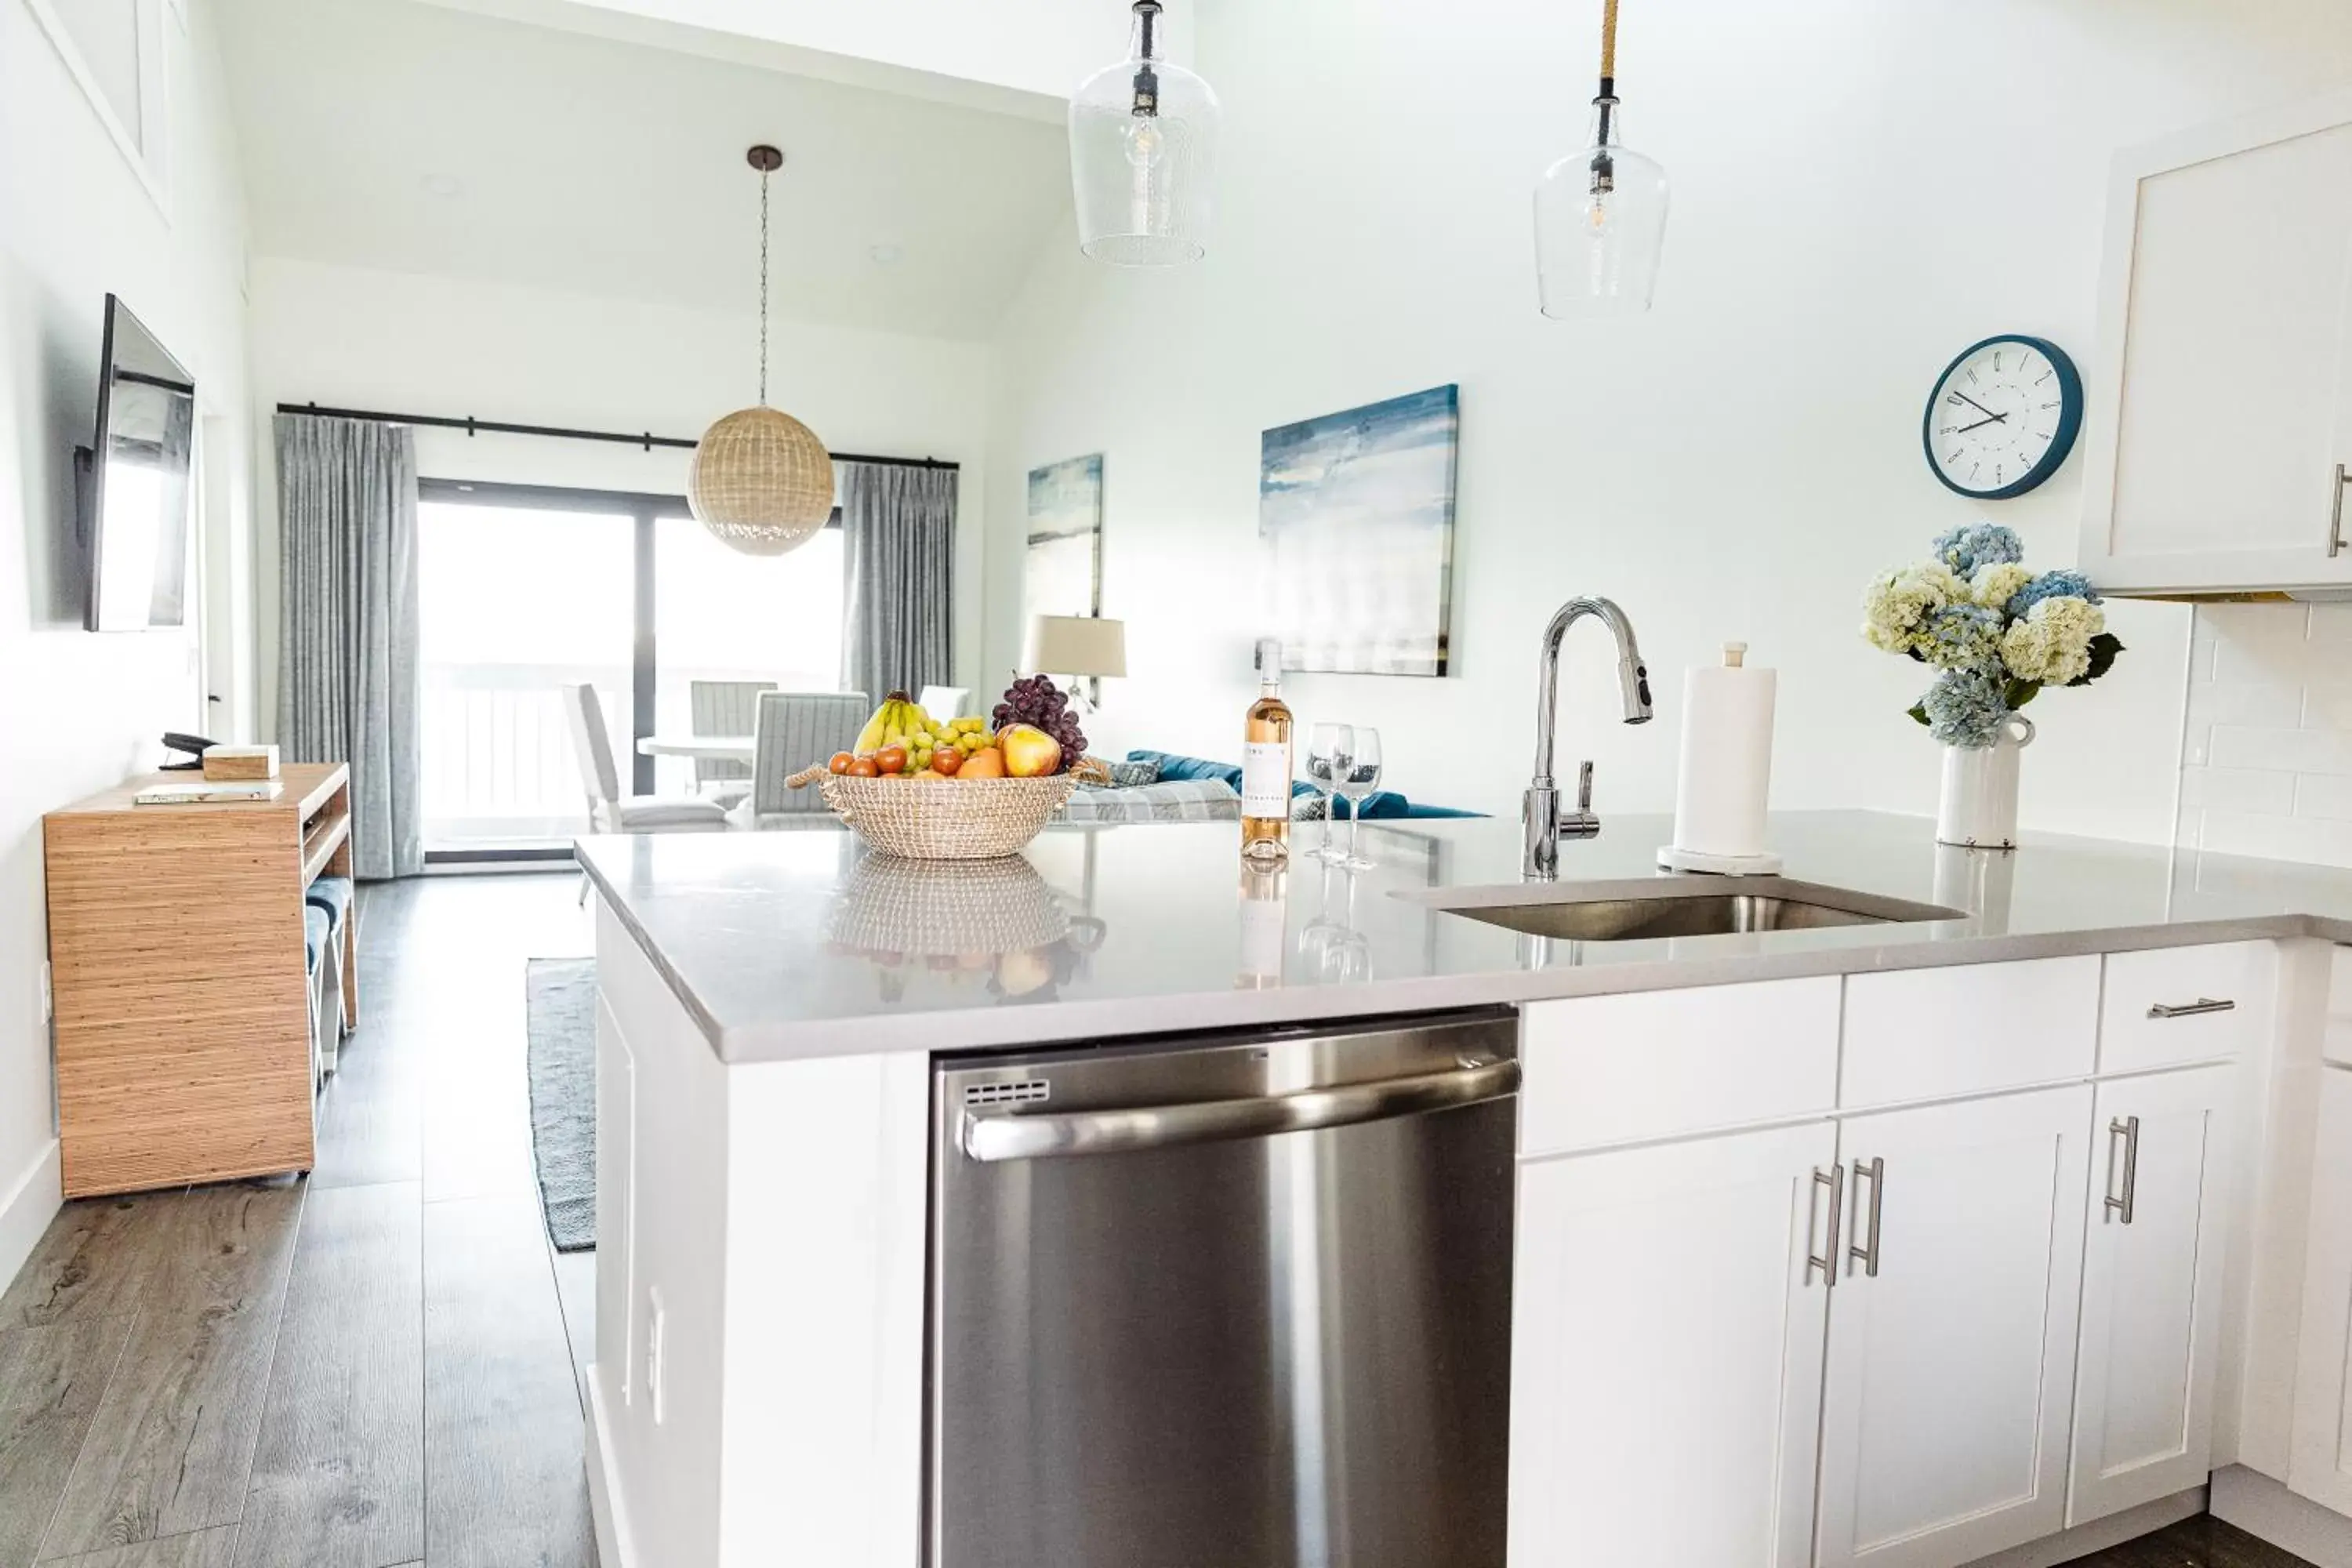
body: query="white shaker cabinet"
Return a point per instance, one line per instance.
(2319, 1463)
(1949, 1375)
(2218, 404)
(2151, 1290)
(1666, 1353)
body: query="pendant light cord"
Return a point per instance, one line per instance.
(762, 276)
(1608, 48)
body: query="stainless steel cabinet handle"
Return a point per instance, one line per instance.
(2198, 1008)
(2127, 1129)
(1826, 1259)
(2336, 515)
(1013, 1135)
(1867, 1254)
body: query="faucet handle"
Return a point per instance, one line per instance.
(1580, 822)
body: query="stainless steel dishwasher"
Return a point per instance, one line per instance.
(1224, 1301)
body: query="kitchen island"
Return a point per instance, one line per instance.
(771, 1004)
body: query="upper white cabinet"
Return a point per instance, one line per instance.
(2219, 399)
(1949, 1382)
(1666, 1353)
(2151, 1290)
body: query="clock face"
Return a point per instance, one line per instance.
(2003, 417)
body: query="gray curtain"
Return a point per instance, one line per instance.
(899, 528)
(347, 624)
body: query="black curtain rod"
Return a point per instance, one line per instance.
(647, 440)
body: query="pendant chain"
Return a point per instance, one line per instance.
(763, 288)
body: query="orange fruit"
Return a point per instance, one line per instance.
(988, 762)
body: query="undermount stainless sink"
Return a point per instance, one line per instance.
(1644, 911)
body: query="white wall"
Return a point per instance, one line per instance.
(1861, 189)
(80, 710)
(410, 343)
(2266, 761)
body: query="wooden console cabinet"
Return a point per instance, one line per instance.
(182, 1013)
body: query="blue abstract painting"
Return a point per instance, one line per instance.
(1355, 518)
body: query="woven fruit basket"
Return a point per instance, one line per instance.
(946, 819)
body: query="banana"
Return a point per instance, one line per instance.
(898, 718)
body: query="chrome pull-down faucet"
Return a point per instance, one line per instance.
(1545, 824)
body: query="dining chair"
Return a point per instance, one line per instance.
(796, 729)
(944, 701)
(723, 708)
(610, 811)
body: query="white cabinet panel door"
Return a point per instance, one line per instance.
(1951, 1369)
(2215, 409)
(2151, 1292)
(2319, 1465)
(1666, 1351)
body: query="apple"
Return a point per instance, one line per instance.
(1029, 752)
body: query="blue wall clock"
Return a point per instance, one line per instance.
(2002, 418)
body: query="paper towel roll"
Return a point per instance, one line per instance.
(1726, 776)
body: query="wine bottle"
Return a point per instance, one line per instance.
(1265, 763)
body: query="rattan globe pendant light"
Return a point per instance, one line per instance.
(761, 479)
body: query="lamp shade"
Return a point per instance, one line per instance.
(1143, 153)
(760, 480)
(1076, 645)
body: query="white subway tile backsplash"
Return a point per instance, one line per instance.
(2282, 749)
(2324, 796)
(2238, 789)
(2267, 751)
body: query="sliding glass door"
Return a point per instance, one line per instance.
(523, 590)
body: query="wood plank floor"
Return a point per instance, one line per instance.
(2201, 1542)
(375, 1368)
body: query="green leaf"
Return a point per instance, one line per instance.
(2018, 693)
(1918, 710)
(2104, 648)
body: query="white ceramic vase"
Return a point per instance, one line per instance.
(1979, 808)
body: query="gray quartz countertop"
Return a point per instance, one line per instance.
(799, 944)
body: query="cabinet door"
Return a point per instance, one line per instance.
(2215, 416)
(2319, 1464)
(1950, 1368)
(2151, 1292)
(1666, 1351)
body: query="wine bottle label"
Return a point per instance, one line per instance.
(1265, 779)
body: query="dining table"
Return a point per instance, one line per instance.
(701, 748)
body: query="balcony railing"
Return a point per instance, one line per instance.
(498, 763)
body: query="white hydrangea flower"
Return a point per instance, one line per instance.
(1993, 586)
(1898, 604)
(2053, 643)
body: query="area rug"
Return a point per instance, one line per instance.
(559, 1003)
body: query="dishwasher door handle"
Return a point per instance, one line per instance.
(994, 1136)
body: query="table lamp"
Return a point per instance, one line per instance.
(1086, 647)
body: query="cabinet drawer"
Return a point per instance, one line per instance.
(2177, 1005)
(1972, 1028)
(1615, 1069)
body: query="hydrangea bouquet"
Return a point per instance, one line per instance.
(1996, 633)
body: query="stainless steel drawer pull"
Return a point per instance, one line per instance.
(1826, 1259)
(2336, 515)
(1011, 1134)
(1867, 1254)
(2127, 1129)
(2197, 1009)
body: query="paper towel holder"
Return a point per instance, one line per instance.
(1763, 864)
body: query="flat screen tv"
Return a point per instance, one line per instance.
(138, 495)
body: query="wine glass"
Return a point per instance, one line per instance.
(1325, 744)
(1356, 773)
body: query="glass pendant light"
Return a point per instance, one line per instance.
(1601, 215)
(760, 480)
(1143, 148)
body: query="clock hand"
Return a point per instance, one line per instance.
(1980, 424)
(1980, 407)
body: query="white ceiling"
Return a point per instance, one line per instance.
(417, 138)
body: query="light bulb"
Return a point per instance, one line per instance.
(1146, 142)
(1597, 215)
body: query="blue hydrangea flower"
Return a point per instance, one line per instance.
(1962, 636)
(1965, 708)
(2050, 586)
(1975, 544)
